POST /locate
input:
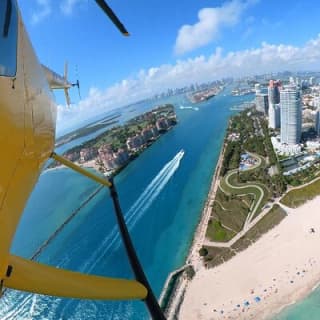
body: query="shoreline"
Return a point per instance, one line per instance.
(90, 164)
(275, 272)
(307, 292)
(293, 275)
(116, 147)
(200, 233)
(193, 258)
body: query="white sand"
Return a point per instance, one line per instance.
(280, 268)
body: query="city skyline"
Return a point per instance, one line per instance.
(198, 42)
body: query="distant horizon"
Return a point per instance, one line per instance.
(160, 95)
(171, 45)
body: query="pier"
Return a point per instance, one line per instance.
(167, 296)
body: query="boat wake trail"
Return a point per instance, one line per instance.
(132, 216)
(189, 107)
(16, 305)
(137, 210)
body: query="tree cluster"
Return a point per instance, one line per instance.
(231, 157)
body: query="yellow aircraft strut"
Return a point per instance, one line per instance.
(80, 170)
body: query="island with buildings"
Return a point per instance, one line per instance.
(205, 94)
(112, 150)
(255, 249)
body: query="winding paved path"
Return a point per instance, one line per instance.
(255, 186)
(243, 188)
(250, 222)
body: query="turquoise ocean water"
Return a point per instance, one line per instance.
(162, 195)
(307, 309)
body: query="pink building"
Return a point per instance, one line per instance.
(87, 154)
(147, 134)
(162, 124)
(106, 156)
(134, 143)
(121, 157)
(154, 131)
(74, 156)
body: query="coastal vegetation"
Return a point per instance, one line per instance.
(304, 176)
(257, 187)
(218, 255)
(231, 157)
(244, 191)
(275, 215)
(250, 181)
(299, 196)
(248, 132)
(230, 213)
(203, 252)
(218, 232)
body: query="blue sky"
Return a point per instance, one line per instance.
(172, 43)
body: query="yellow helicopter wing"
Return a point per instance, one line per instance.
(35, 277)
(27, 135)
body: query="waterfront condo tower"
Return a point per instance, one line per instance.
(274, 101)
(257, 88)
(291, 115)
(262, 104)
(261, 99)
(317, 126)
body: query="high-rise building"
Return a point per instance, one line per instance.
(262, 104)
(312, 81)
(291, 115)
(257, 88)
(274, 116)
(274, 91)
(261, 101)
(316, 102)
(274, 100)
(317, 126)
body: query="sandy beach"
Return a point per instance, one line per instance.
(88, 164)
(279, 269)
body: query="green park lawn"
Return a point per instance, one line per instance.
(297, 197)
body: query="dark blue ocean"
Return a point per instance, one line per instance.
(162, 194)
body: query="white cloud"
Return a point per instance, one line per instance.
(249, 27)
(211, 20)
(266, 58)
(67, 6)
(44, 10)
